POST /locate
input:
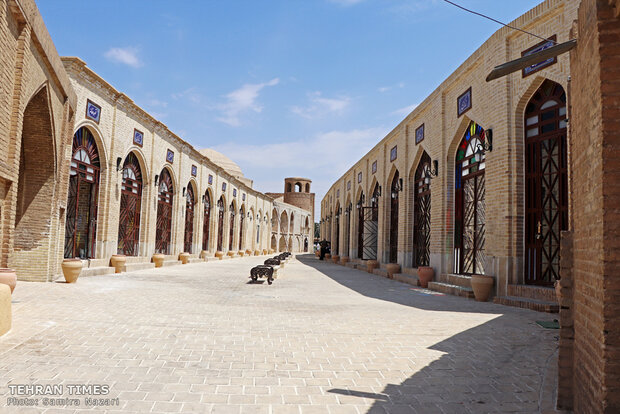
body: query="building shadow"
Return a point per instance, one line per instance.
(503, 365)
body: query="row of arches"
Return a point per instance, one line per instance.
(82, 208)
(545, 199)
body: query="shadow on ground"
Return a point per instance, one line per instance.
(504, 365)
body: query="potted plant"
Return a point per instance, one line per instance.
(219, 254)
(241, 253)
(391, 269)
(158, 259)
(482, 285)
(335, 258)
(118, 262)
(71, 269)
(184, 257)
(371, 265)
(8, 277)
(425, 274)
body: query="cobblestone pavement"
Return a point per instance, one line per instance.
(322, 339)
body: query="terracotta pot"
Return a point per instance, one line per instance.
(8, 277)
(203, 254)
(264, 251)
(371, 265)
(158, 259)
(317, 253)
(335, 258)
(241, 253)
(219, 254)
(558, 290)
(71, 269)
(256, 252)
(425, 274)
(118, 262)
(271, 251)
(184, 258)
(344, 260)
(230, 253)
(482, 285)
(248, 252)
(328, 255)
(392, 268)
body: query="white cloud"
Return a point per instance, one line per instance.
(243, 99)
(346, 2)
(404, 111)
(127, 56)
(323, 158)
(387, 88)
(320, 106)
(188, 94)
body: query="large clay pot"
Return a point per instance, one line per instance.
(8, 277)
(118, 262)
(256, 252)
(335, 258)
(219, 254)
(203, 254)
(317, 253)
(71, 269)
(371, 265)
(230, 253)
(392, 268)
(158, 259)
(482, 285)
(248, 252)
(271, 251)
(264, 252)
(328, 255)
(184, 257)
(344, 260)
(425, 275)
(241, 253)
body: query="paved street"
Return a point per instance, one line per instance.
(322, 339)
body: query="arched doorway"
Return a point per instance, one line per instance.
(335, 248)
(370, 229)
(546, 183)
(394, 191)
(470, 219)
(163, 232)
(206, 224)
(231, 233)
(131, 204)
(360, 226)
(306, 245)
(220, 224)
(241, 219)
(274, 243)
(422, 212)
(282, 244)
(347, 229)
(81, 223)
(190, 202)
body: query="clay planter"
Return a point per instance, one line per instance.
(248, 252)
(71, 269)
(118, 262)
(317, 253)
(184, 258)
(271, 251)
(203, 254)
(344, 260)
(241, 253)
(425, 275)
(158, 259)
(335, 258)
(328, 255)
(371, 265)
(256, 252)
(8, 277)
(482, 285)
(391, 269)
(230, 253)
(219, 254)
(264, 251)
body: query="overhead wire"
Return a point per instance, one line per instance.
(497, 21)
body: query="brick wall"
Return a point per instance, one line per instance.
(595, 141)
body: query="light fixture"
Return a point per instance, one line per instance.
(156, 179)
(118, 163)
(183, 191)
(398, 187)
(249, 215)
(428, 175)
(484, 147)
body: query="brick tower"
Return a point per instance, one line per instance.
(297, 193)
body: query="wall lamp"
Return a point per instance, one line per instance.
(428, 174)
(156, 179)
(184, 191)
(360, 202)
(118, 163)
(397, 187)
(485, 146)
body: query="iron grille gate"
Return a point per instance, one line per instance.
(370, 232)
(220, 224)
(129, 218)
(163, 233)
(422, 215)
(189, 220)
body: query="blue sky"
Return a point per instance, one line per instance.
(283, 87)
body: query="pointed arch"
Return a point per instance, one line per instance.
(206, 223)
(241, 224)
(165, 198)
(190, 207)
(130, 206)
(220, 209)
(421, 191)
(395, 186)
(232, 212)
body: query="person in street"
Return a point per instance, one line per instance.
(323, 245)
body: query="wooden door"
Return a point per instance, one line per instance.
(422, 213)
(394, 194)
(189, 219)
(163, 231)
(131, 202)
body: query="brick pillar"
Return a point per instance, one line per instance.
(595, 149)
(567, 332)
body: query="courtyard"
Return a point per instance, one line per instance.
(322, 339)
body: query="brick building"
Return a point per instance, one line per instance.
(85, 172)
(475, 179)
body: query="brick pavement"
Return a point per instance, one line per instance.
(322, 339)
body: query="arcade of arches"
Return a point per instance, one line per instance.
(465, 187)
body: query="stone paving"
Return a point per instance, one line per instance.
(322, 339)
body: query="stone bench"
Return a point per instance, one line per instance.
(265, 271)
